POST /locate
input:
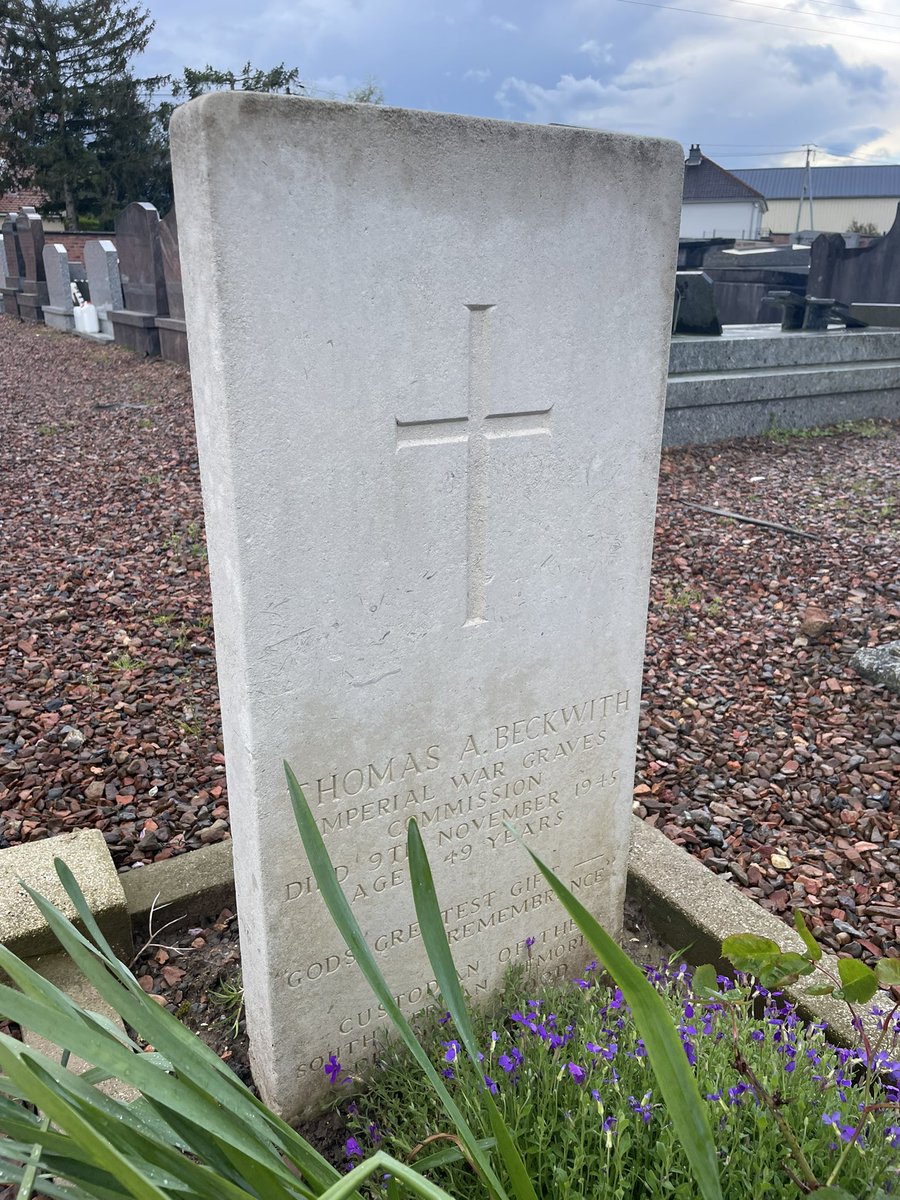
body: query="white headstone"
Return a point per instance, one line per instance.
(429, 427)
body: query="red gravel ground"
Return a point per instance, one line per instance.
(761, 751)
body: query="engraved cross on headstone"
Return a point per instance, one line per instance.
(478, 429)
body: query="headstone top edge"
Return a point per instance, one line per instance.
(235, 107)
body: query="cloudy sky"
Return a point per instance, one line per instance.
(752, 82)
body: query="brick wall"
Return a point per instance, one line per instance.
(74, 242)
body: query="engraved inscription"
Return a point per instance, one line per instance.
(477, 429)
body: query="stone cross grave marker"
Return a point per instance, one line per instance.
(59, 313)
(101, 262)
(429, 460)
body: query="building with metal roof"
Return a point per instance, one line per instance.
(843, 198)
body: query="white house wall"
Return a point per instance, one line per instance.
(831, 216)
(720, 219)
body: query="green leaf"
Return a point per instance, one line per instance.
(859, 981)
(888, 972)
(342, 915)
(785, 969)
(677, 1083)
(706, 981)
(400, 1171)
(437, 947)
(815, 950)
(830, 1193)
(63, 1115)
(826, 990)
(750, 953)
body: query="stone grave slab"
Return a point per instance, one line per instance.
(33, 295)
(172, 330)
(695, 305)
(141, 273)
(101, 264)
(59, 313)
(13, 267)
(429, 461)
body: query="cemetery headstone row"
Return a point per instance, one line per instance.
(134, 283)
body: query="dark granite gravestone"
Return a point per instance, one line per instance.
(143, 283)
(695, 305)
(34, 294)
(861, 275)
(14, 268)
(172, 329)
(59, 313)
(101, 263)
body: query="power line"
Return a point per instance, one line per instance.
(860, 37)
(778, 8)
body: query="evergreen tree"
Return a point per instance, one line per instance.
(75, 121)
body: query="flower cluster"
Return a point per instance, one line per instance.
(568, 1069)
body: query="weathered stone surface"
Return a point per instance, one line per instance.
(12, 253)
(429, 464)
(101, 262)
(59, 312)
(880, 664)
(695, 304)
(140, 259)
(30, 230)
(22, 927)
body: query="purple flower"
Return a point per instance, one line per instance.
(529, 942)
(576, 1072)
(893, 1135)
(490, 1085)
(332, 1068)
(352, 1149)
(444, 1019)
(506, 1063)
(609, 1124)
(451, 1051)
(374, 1133)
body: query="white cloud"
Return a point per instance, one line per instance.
(501, 23)
(597, 52)
(479, 76)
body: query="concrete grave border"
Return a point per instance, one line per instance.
(686, 905)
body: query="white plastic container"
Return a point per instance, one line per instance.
(86, 320)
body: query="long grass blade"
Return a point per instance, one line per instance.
(62, 1114)
(342, 915)
(664, 1049)
(434, 936)
(195, 1060)
(381, 1162)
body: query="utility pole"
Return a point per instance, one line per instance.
(806, 190)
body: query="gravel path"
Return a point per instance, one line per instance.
(761, 751)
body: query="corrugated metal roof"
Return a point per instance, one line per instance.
(785, 183)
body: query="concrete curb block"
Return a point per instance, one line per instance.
(694, 911)
(687, 906)
(85, 852)
(195, 885)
